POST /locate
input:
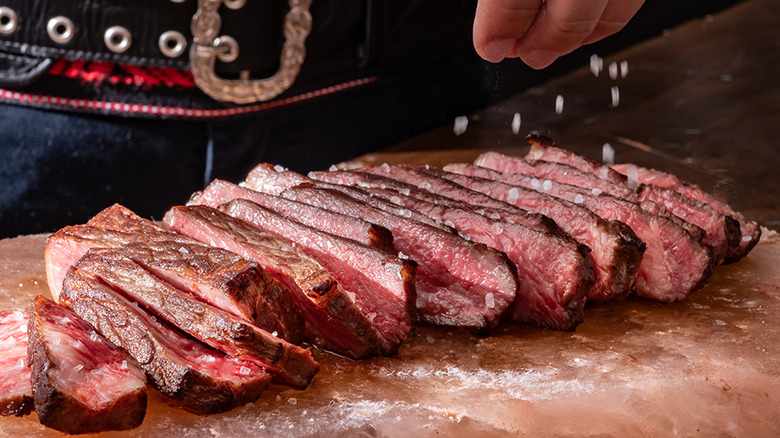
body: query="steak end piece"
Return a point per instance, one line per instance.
(15, 389)
(82, 383)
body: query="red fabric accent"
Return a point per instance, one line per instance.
(170, 111)
(97, 73)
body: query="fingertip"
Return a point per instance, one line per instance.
(496, 50)
(539, 59)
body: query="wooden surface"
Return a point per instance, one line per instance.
(703, 101)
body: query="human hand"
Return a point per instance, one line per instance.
(540, 31)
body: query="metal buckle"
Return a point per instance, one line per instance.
(207, 46)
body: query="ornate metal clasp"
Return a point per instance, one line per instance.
(208, 46)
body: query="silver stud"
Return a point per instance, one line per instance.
(60, 29)
(8, 20)
(117, 39)
(172, 43)
(234, 4)
(232, 46)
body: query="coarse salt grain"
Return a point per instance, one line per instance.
(558, 104)
(746, 238)
(513, 194)
(351, 296)
(244, 371)
(461, 124)
(613, 71)
(20, 362)
(596, 64)
(608, 154)
(78, 367)
(403, 256)
(279, 168)
(547, 185)
(292, 401)
(615, 96)
(385, 167)
(623, 69)
(516, 122)
(490, 301)
(94, 337)
(124, 365)
(333, 168)
(404, 191)
(395, 199)
(633, 177)
(578, 199)
(536, 184)
(183, 250)
(596, 191)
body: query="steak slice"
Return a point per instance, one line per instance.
(194, 376)
(333, 321)
(81, 382)
(543, 148)
(220, 192)
(15, 389)
(674, 263)
(750, 232)
(234, 336)
(214, 275)
(273, 179)
(378, 283)
(556, 272)
(616, 252)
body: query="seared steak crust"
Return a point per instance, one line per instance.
(333, 322)
(63, 349)
(193, 375)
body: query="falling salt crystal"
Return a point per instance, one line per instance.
(395, 199)
(78, 367)
(613, 71)
(385, 167)
(124, 365)
(516, 122)
(578, 199)
(596, 64)
(461, 123)
(633, 177)
(608, 154)
(490, 301)
(351, 296)
(513, 194)
(603, 172)
(596, 191)
(623, 69)
(333, 168)
(403, 256)
(558, 104)
(547, 185)
(183, 250)
(615, 96)
(244, 371)
(292, 401)
(279, 168)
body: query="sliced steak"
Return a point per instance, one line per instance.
(720, 231)
(220, 192)
(234, 336)
(555, 272)
(378, 283)
(333, 321)
(459, 283)
(216, 276)
(674, 263)
(616, 251)
(749, 231)
(81, 382)
(15, 390)
(193, 375)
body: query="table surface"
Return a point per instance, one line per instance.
(702, 101)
